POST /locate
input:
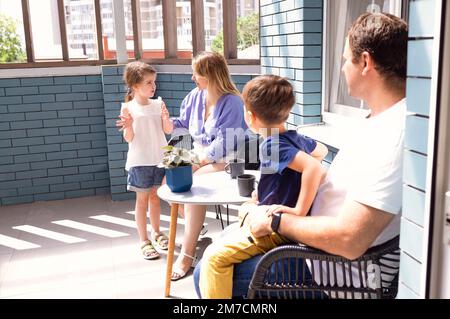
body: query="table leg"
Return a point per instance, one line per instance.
(170, 252)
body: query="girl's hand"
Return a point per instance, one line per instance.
(272, 209)
(164, 112)
(125, 122)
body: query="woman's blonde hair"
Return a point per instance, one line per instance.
(213, 66)
(134, 74)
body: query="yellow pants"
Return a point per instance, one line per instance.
(216, 275)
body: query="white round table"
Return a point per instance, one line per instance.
(208, 189)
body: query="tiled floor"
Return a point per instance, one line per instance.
(93, 265)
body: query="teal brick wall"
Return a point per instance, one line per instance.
(332, 152)
(52, 139)
(171, 87)
(58, 137)
(291, 46)
(420, 74)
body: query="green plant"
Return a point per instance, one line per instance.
(247, 33)
(10, 45)
(175, 157)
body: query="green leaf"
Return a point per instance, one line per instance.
(10, 44)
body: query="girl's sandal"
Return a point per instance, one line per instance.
(161, 240)
(148, 251)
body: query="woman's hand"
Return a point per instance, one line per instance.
(125, 122)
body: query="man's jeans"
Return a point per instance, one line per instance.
(243, 273)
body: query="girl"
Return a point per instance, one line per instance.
(141, 123)
(207, 112)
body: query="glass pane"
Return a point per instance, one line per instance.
(213, 25)
(248, 29)
(129, 28)
(12, 39)
(81, 29)
(184, 29)
(45, 30)
(152, 29)
(354, 10)
(108, 35)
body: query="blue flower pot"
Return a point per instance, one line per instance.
(179, 179)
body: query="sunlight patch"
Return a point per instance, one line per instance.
(16, 243)
(49, 234)
(91, 229)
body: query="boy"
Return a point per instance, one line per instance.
(290, 177)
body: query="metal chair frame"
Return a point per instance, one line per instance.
(377, 265)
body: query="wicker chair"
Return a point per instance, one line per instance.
(282, 273)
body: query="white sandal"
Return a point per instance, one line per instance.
(180, 273)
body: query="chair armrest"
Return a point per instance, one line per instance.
(325, 266)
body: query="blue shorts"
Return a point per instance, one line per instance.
(142, 178)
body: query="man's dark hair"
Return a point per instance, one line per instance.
(385, 37)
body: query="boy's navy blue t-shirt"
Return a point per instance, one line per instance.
(278, 183)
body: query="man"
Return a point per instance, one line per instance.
(359, 203)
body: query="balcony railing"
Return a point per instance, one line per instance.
(170, 54)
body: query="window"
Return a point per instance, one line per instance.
(81, 29)
(12, 39)
(45, 30)
(184, 27)
(339, 17)
(152, 29)
(248, 29)
(78, 32)
(213, 26)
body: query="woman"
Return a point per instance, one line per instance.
(207, 112)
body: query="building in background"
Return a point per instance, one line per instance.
(82, 33)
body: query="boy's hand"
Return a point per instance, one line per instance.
(255, 196)
(278, 209)
(125, 122)
(164, 112)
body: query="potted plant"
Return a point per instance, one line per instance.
(178, 164)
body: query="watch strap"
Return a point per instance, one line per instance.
(275, 224)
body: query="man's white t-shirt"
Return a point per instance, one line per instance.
(146, 147)
(368, 169)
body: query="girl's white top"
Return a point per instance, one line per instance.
(146, 147)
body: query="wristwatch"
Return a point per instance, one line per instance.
(275, 224)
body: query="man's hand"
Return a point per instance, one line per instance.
(259, 222)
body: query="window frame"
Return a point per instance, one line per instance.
(341, 113)
(170, 47)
